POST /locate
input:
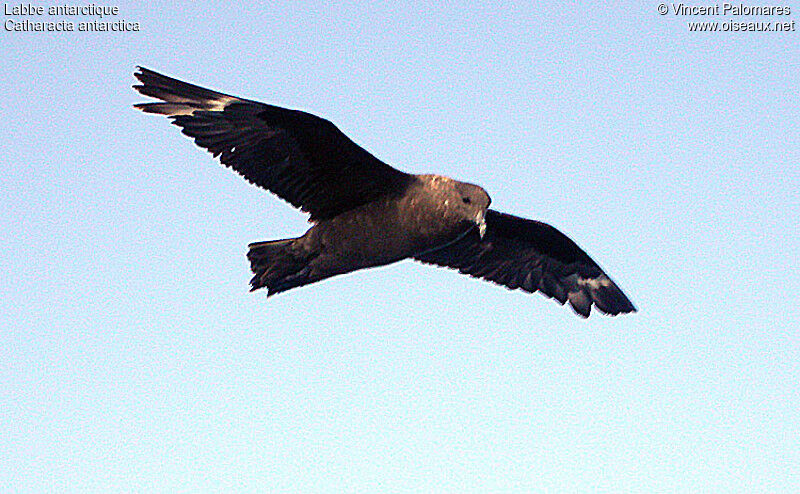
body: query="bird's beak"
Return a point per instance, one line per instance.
(480, 220)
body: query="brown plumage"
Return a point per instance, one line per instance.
(367, 213)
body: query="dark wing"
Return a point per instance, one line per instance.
(302, 158)
(530, 255)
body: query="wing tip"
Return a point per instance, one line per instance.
(598, 290)
(176, 97)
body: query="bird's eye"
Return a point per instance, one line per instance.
(466, 200)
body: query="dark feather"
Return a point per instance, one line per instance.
(300, 157)
(520, 253)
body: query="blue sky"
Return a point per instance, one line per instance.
(133, 358)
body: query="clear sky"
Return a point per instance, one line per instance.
(133, 358)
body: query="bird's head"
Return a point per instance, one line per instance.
(473, 202)
(460, 202)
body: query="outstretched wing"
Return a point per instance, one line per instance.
(530, 255)
(302, 158)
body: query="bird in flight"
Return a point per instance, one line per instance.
(366, 213)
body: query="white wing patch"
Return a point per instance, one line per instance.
(595, 283)
(219, 104)
(184, 106)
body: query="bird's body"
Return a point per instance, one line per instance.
(400, 227)
(366, 213)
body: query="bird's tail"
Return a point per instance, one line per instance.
(278, 265)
